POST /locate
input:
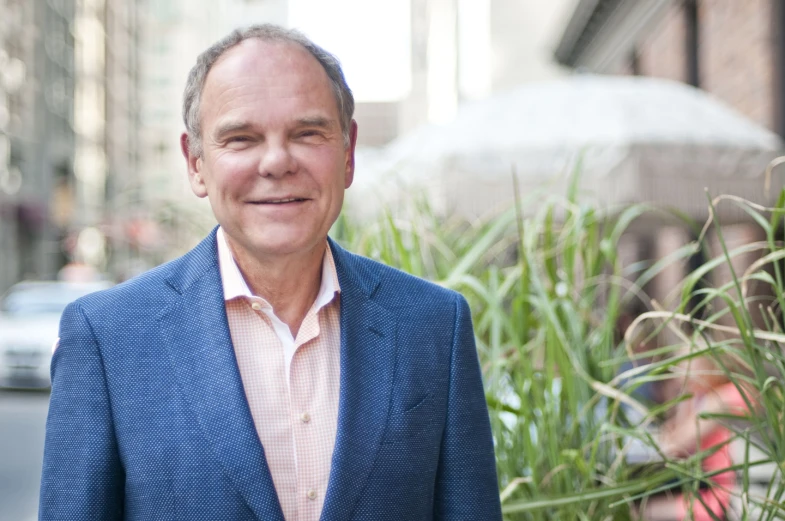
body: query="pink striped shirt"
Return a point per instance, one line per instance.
(296, 418)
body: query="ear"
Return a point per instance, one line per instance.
(350, 163)
(194, 163)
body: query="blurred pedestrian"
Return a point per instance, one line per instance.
(691, 429)
(269, 374)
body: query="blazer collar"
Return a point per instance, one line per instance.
(198, 343)
(195, 264)
(354, 270)
(368, 353)
(183, 272)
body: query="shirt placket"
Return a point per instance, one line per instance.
(281, 453)
(305, 421)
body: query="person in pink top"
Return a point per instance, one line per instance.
(686, 432)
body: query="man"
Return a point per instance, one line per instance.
(268, 374)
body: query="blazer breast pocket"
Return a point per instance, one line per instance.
(412, 421)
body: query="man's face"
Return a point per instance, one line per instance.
(274, 164)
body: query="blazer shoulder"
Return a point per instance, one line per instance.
(396, 286)
(151, 290)
(149, 287)
(147, 292)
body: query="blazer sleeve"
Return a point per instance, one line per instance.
(82, 474)
(466, 484)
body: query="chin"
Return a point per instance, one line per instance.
(284, 245)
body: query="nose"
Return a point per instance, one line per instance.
(277, 159)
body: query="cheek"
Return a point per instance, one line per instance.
(234, 160)
(233, 171)
(323, 162)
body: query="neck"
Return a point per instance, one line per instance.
(289, 284)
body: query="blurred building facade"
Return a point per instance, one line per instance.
(734, 50)
(68, 132)
(465, 50)
(37, 139)
(106, 122)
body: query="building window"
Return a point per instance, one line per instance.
(691, 40)
(778, 30)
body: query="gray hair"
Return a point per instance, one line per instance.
(268, 33)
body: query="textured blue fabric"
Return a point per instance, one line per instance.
(148, 419)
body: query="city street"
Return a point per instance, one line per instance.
(22, 420)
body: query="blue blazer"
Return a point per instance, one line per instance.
(148, 418)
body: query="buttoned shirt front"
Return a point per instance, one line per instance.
(291, 383)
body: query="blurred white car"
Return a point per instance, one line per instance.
(29, 322)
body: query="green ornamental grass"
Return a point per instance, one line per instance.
(547, 290)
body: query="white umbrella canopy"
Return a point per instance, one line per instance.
(638, 139)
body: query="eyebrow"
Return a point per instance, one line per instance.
(316, 121)
(229, 127)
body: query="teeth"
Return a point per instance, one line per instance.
(280, 201)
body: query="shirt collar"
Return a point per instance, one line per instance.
(234, 284)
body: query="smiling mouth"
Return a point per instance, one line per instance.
(281, 201)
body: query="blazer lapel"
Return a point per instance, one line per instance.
(368, 345)
(200, 348)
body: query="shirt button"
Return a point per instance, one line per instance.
(311, 494)
(305, 417)
(256, 306)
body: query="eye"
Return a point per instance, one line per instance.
(238, 142)
(311, 136)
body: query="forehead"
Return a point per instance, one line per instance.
(264, 72)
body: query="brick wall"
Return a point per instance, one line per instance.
(735, 56)
(662, 51)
